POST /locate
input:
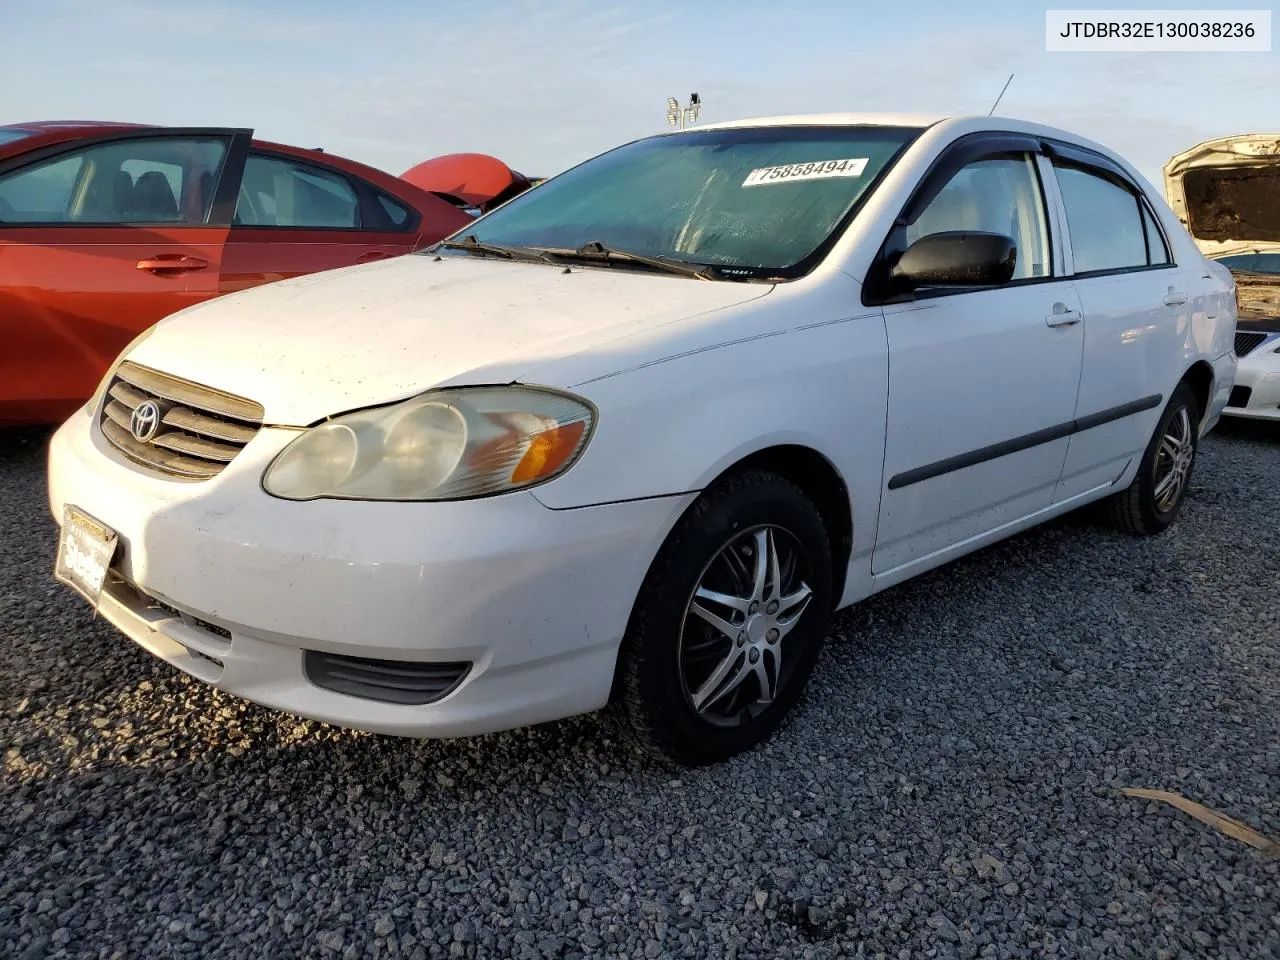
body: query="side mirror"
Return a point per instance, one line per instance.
(957, 258)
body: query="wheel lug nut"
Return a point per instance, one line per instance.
(753, 608)
(742, 638)
(772, 607)
(772, 636)
(755, 655)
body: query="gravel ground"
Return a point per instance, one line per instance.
(949, 788)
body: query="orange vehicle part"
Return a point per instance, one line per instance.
(474, 180)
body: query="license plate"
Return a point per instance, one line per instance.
(85, 550)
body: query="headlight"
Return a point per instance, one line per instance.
(443, 445)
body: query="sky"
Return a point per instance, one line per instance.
(546, 84)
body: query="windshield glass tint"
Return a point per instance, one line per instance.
(763, 199)
(9, 136)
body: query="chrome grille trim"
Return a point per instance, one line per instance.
(165, 387)
(193, 446)
(201, 429)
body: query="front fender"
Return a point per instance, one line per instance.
(674, 426)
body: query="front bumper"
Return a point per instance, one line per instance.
(232, 586)
(1256, 394)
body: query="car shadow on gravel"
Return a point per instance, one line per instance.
(19, 441)
(1262, 431)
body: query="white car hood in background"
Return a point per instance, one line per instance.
(336, 341)
(1227, 193)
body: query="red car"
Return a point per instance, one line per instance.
(106, 228)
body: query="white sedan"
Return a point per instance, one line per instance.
(634, 435)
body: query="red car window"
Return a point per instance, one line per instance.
(156, 180)
(278, 192)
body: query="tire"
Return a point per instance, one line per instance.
(672, 654)
(1144, 509)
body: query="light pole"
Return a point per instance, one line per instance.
(681, 117)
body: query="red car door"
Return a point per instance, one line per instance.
(99, 239)
(295, 216)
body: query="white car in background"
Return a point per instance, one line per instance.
(1227, 193)
(635, 434)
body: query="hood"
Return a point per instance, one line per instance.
(1227, 193)
(330, 342)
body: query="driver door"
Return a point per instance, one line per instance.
(982, 382)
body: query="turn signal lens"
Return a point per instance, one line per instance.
(548, 452)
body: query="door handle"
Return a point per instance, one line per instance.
(1174, 297)
(1062, 317)
(171, 263)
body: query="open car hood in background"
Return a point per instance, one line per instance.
(1227, 193)
(469, 180)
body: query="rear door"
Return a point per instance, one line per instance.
(100, 239)
(296, 216)
(1138, 307)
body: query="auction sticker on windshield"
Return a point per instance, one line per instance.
(815, 170)
(85, 550)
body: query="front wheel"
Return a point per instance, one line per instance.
(1151, 503)
(729, 623)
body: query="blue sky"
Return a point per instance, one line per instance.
(546, 84)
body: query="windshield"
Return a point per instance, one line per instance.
(1252, 262)
(760, 201)
(8, 136)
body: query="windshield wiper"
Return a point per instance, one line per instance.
(597, 252)
(471, 244)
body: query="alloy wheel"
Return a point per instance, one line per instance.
(734, 654)
(1173, 460)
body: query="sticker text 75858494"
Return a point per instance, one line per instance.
(815, 170)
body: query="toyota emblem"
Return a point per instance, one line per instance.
(145, 421)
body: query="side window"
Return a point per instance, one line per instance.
(1106, 222)
(278, 192)
(997, 195)
(395, 211)
(1157, 249)
(155, 180)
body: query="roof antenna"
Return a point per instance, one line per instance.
(1001, 97)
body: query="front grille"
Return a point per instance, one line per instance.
(408, 683)
(200, 429)
(1247, 342)
(1239, 396)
